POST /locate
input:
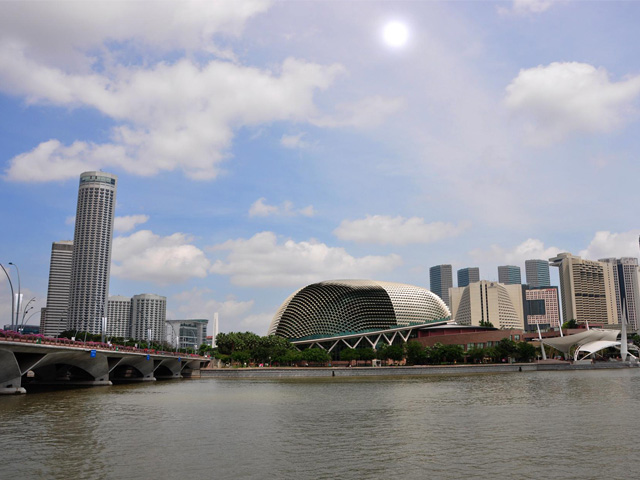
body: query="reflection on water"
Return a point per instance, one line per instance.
(521, 425)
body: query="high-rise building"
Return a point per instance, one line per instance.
(509, 275)
(468, 275)
(537, 272)
(119, 316)
(586, 288)
(91, 263)
(484, 301)
(440, 281)
(53, 319)
(627, 288)
(148, 317)
(541, 307)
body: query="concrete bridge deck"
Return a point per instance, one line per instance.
(40, 361)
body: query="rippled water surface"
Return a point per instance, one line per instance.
(538, 425)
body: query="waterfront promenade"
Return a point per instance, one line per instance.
(397, 371)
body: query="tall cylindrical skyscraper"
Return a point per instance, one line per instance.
(89, 289)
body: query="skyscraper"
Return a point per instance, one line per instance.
(148, 317)
(586, 288)
(537, 272)
(493, 302)
(119, 316)
(627, 288)
(53, 320)
(509, 275)
(440, 280)
(91, 262)
(468, 275)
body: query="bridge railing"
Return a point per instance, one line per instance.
(12, 336)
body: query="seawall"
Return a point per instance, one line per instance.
(312, 372)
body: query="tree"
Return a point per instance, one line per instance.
(241, 356)
(453, 353)
(395, 352)
(476, 354)
(570, 324)
(525, 352)
(506, 348)
(316, 355)
(416, 354)
(636, 339)
(486, 323)
(366, 354)
(349, 355)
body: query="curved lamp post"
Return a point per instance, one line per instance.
(19, 296)
(26, 309)
(12, 295)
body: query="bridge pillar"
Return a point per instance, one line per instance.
(10, 374)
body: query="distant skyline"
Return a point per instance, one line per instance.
(262, 146)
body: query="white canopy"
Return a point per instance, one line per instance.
(582, 339)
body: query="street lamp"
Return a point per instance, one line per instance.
(12, 295)
(26, 309)
(19, 295)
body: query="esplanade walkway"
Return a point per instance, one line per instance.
(36, 360)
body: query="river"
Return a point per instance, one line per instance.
(529, 425)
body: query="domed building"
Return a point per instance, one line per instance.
(357, 309)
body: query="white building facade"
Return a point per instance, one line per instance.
(89, 285)
(485, 301)
(148, 317)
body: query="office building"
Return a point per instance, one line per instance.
(119, 316)
(586, 288)
(89, 288)
(485, 301)
(440, 281)
(537, 272)
(627, 288)
(541, 307)
(53, 319)
(509, 275)
(189, 333)
(148, 317)
(467, 276)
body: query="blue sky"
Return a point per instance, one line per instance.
(261, 146)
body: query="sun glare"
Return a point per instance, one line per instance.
(395, 34)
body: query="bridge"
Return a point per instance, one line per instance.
(26, 360)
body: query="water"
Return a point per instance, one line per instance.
(569, 425)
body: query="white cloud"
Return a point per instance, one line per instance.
(257, 322)
(366, 113)
(129, 222)
(145, 256)
(57, 32)
(262, 261)
(200, 303)
(387, 230)
(607, 244)
(261, 209)
(527, 7)
(178, 116)
(293, 141)
(530, 249)
(564, 98)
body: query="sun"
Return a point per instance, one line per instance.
(395, 34)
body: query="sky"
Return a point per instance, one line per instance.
(261, 146)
